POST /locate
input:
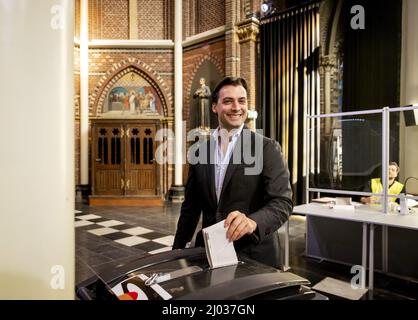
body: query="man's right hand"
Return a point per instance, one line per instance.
(239, 225)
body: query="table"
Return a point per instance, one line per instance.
(367, 215)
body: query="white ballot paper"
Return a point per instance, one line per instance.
(219, 250)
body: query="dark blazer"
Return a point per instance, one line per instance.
(264, 197)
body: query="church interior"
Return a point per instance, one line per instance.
(119, 90)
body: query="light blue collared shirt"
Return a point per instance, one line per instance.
(222, 160)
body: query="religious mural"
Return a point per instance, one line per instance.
(133, 95)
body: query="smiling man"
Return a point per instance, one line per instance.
(253, 205)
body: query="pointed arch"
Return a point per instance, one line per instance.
(199, 61)
(119, 70)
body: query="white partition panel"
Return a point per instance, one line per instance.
(37, 149)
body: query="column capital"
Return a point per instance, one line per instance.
(328, 63)
(248, 30)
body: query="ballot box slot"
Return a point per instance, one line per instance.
(160, 277)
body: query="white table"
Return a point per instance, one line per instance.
(367, 215)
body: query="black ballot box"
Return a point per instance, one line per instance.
(185, 274)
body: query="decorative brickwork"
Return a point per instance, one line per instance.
(102, 60)
(169, 19)
(95, 19)
(115, 19)
(189, 24)
(211, 14)
(117, 71)
(104, 65)
(151, 19)
(109, 19)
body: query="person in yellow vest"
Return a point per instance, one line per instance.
(376, 186)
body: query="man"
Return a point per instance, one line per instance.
(394, 187)
(254, 205)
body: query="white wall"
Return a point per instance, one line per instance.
(409, 93)
(37, 149)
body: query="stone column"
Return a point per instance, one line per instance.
(84, 99)
(247, 34)
(231, 40)
(177, 189)
(328, 65)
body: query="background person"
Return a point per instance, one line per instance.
(376, 186)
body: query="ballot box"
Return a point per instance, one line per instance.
(184, 274)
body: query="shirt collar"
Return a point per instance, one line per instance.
(236, 133)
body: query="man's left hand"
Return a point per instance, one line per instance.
(239, 225)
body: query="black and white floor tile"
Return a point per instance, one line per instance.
(107, 237)
(136, 237)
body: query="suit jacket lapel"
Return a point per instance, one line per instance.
(211, 171)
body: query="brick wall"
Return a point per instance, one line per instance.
(108, 19)
(202, 15)
(115, 19)
(247, 70)
(101, 61)
(211, 14)
(255, 6)
(158, 61)
(77, 19)
(151, 19)
(168, 19)
(187, 10)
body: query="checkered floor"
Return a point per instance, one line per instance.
(131, 236)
